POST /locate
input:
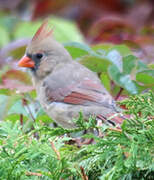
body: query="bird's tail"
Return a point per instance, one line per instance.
(114, 119)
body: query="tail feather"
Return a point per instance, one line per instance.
(115, 119)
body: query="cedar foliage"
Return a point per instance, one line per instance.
(46, 153)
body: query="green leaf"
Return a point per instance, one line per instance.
(151, 66)
(65, 30)
(105, 47)
(44, 118)
(95, 64)
(149, 72)
(8, 22)
(5, 91)
(141, 66)
(14, 118)
(3, 104)
(4, 36)
(114, 74)
(26, 29)
(122, 49)
(145, 78)
(129, 63)
(78, 50)
(18, 52)
(115, 57)
(128, 84)
(122, 79)
(18, 108)
(105, 79)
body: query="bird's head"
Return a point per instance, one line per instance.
(43, 53)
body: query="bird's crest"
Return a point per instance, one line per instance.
(43, 32)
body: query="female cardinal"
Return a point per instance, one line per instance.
(64, 87)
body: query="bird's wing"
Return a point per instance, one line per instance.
(80, 87)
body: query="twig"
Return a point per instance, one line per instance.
(54, 148)
(21, 119)
(24, 101)
(33, 174)
(84, 176)
(115, 129)
(25, 104)
(119, 93)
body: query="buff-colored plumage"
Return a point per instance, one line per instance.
(65, 87)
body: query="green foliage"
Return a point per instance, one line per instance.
(14, 28)
(45, 153)
(117, 64)
(4, 37)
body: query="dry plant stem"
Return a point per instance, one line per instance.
(119, 93)
(30, 113)
(84, 176)
(115, 129)
(25, 104)
(21, 119)
(33, 174)
(29, 110)
(54, 148)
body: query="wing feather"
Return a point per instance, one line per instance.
(80, 86)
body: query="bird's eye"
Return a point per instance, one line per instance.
(39, 55)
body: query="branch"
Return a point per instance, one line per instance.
(21, 119)
(115, 129)
(33, 174)
(119, 93)
(25, 104)
(56, 151)
(84, 176)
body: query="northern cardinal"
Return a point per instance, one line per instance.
(64, 86)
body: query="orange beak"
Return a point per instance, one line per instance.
(26, 62)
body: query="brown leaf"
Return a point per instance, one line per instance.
(111, 29)
(17, 75)
(15, 85)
